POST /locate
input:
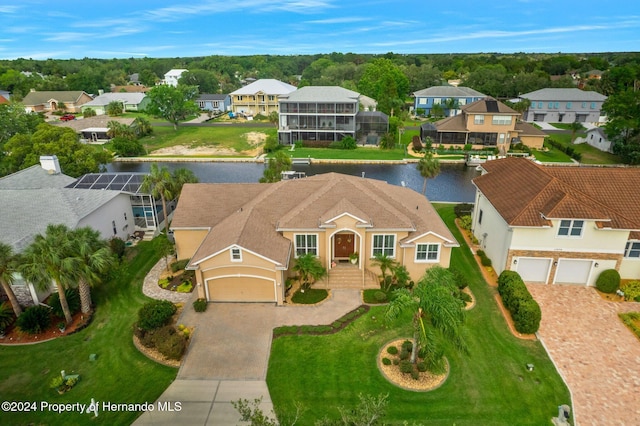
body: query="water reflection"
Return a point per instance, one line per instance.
(453, 184)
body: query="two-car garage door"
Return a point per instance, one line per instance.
(568, 271)
(241, 289)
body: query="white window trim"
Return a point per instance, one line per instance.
(584, 222)
(478, 119)
(427, 260)
(395, 239)
(306, 248)
(239, 252)
(627, 250)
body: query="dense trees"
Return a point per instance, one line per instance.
(172, 103)
(623, 127)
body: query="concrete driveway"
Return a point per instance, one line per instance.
(598, 357)
(228, 357)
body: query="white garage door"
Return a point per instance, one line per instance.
(573, 271)
(533, 270)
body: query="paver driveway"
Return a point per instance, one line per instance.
(596, 354)
(228, 357)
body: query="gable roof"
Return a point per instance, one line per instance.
(563, 94)
(39, 98)
(253, 215)
(212, 97)
(269, 86)
(34, 177)
(488, 105)
(449, 92)
(126, 97)
(526, 194)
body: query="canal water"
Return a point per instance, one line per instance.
(453, 184)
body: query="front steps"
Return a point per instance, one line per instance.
(347, 276)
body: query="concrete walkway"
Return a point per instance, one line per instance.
(228, 357)
(598, 357)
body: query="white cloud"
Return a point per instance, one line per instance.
(343, 20)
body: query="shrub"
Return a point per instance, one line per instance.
(462, 209)
(484, 260)
(631, 291)
(170, 343)
(155, 314)
(392, 350)
(380, 296)
(118, 247)
(527, 317)
(73, 300)
(460, 278)
(56, 382)
(395, 361)
(407, 345)
(415, 375)
(406, 366)
(421, 366)
(163, 282)
(465, 222)
(34, 319)
(386, 361)
(6, 316)
(200, 305)
(179, 265)
(185, 287)
(404, 354)
(608, 281)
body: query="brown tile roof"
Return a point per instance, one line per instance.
(526, 129)
(480, 107)
(456, 123)
(527, 194)
(251, 215)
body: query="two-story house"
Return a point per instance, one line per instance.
(558, 225)
(449, 98)
(563, 106)
(259, 97)
(243, 239)
(328, 113)
(214, 102)
(485, 124)
(172, 76)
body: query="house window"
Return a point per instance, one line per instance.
(437, 101)
(584, 105)
(550, 105)
(593, 105)
(240, 98)
(125, 215)
(568, 105)
(632, 249)
(113, 225)
(427, 252)
(306, 243)
(201, 104)
(501, 120)
(272, 98)
(570, 228)
(556, 105)
(539, 105)
(216, 104)
(384, 245)
(236, 254)
(478, 119)
(422, 101)
(480, 217)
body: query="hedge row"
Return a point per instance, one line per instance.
(569, 150)
(484, 259)
(524, 310)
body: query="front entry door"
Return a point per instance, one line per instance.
(343, 244)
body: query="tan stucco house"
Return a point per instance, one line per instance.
(485, 124)
(558, 225)
(243, 239)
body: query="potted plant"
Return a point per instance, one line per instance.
(353, 257)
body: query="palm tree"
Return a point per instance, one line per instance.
(93, 258)
(429, 167)
(575, 127)
(437, 315)
(159, 183)
(8, 267)
(141, 127)
(180, 177)
(309, 268)
(49, 258)
(385, 263)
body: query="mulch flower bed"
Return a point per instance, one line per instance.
(14, 336)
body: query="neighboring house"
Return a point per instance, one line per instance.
(563, 106)
(328, 113)
(131, 102)
(49, 101)
(485, 124)
(172, 76)
(597, 138)
(259, 97)
(445, 96)
(131, 88)
(5, 94)
(214, 102)
(93, 129)
(243, 239)
(558, 225)
(38, 196)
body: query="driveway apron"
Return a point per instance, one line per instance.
(595, 353)
(228, 357)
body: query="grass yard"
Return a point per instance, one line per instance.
(590, 155)
(193, 137)
(359, 153)
(120, 374)
(491, 385)
(553, 155)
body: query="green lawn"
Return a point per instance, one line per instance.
(359, 153)
(220, 137)
(590, 155)
(120, 374)
(553, 155)
(490, 386)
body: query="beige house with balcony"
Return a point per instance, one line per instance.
(485, 124)
(259, 97)
(243, 239)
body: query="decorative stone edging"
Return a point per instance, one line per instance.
(151, 288)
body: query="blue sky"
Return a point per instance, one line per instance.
(63, 29)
